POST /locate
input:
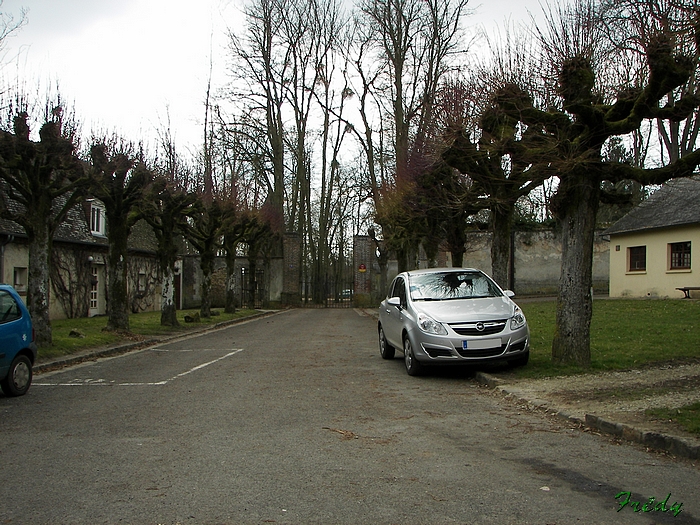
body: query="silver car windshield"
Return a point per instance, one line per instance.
(452, 285)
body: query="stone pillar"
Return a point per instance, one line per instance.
(291, 245)
(363, 260)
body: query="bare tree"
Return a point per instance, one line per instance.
(204, 233)
(166, 208)
(492, 147)
(41, 182)
(118, 179)
(9, 24)
(574, 131)
(260, 69)
(415, 40)
(630, 26)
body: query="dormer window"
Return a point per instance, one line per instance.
(97, 219)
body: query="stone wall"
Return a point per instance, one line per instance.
(537, 260)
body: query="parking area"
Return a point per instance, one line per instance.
(173, 363)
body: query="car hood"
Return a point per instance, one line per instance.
(467, 310)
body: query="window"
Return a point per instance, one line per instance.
(680, 255)
(20, 280)
(399, 290)
(141, 286)
(97, 220)
(637, 259)
(9, 309)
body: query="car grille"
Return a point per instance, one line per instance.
(489, 328)
(488, 352)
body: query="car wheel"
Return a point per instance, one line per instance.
(413, 367)
(19, 377)
(385, 349)
(520, 361)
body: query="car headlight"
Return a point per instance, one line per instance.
(430, 325)
(518, 319)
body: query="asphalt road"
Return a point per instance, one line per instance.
(295, 418)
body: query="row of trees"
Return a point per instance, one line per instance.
(42, 180)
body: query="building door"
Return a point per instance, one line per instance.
(94, 308)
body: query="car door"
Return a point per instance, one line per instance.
(393, 315)
(10, 330)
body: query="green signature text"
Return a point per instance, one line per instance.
(660, 506)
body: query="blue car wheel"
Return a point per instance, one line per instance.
(19, 377)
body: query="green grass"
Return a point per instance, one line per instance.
(625, 333)
(687, 416)
(142, 325)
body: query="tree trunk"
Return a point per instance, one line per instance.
(207, 266)
(205, 309)
(168, 311)
(118, 315)
(457, 241)
(572, 336)
(38, 283)
(501, 225)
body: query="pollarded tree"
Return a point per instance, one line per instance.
(203, 231)
(501, 165)
(118, 179)
(41, 182)
(446, 199)
(577, 129)
(248, 227)
(166, 209)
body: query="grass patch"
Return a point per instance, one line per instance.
(688, 416)
(142, 325)
(625, 333)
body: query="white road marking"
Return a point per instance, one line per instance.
(103, 382)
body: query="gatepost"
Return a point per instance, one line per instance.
(363, 258)
(291, 285)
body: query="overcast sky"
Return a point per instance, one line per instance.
(129, 64)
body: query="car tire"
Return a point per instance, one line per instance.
(413, 367)
(19, 377)
(520, 361)
(385, 349)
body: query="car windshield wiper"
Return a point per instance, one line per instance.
(427, 299)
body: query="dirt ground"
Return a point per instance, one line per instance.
(618, 397)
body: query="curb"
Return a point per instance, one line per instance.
(91, 355)
(655, 440)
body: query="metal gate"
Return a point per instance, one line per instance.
(334, 294)
(254, 298)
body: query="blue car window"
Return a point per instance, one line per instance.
(9, 309)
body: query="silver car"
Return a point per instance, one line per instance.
(451, 316)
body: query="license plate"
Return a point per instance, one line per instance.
(481, 344)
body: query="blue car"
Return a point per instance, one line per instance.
(17, 347)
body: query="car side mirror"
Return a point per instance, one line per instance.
(509, 293)
(394, 301)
